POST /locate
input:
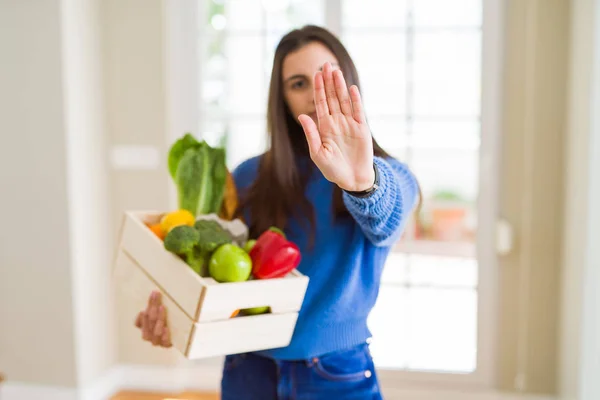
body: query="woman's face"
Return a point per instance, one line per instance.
(298, 70)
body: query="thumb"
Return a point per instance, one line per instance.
(312, 133)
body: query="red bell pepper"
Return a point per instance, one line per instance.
(273, 256)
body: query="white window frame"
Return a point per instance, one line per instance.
(182, 68)
(487, 289)
(590, 329)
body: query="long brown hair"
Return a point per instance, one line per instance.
(278, 191)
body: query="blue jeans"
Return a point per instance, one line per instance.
(348, 374)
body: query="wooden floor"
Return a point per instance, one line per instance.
(129, 395)
(126, 395)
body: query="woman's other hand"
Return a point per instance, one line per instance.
(153, 322)
(341, 145)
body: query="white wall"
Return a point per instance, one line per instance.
(37, 328)
(580, 351)
(54, 254)
(88, 178)
(78, 78)
(134, 65)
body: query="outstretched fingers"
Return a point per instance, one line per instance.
(342, 93)
(332, 96)
(312, 133)
(358, 112)
(320, 96)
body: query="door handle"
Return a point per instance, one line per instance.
(504, 237)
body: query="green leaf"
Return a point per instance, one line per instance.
(193, 178)
(177, 151)
(219, 178)
(200, 174)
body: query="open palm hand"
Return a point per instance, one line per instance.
(341, 145)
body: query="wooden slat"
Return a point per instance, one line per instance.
(174, 276)
(283, 295)
(143, 265)
(242, 334)
(203, 299)
(201, 340)
(136, 286)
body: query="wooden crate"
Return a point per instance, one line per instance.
(199, 309)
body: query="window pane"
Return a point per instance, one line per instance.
(445, 134)
(424, 329)
(246, 138)
(213, 52)
(244, 15)
(396, 269)
(368, 14)
(271, 40)
(449, 182)
(390, 133)
(447, 74)
(452, 222)
(253, 16)
(388, 322)
(447, 13)
(284, 15)
(213, 131)
(246, 88)
(442, 271)
(447, 174)
(382, 73)
(442, 330)
(214, 95)
(213, 82)
(208, 10)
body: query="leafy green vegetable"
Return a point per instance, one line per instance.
(219, 178)
(196, 244)
(212, 235)
(193, 181)
(198, 260)
(183, 241)
(200, 174)
(177, 151)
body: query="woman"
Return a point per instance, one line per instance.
(342, 199)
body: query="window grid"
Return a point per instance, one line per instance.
(227, 117)
(408, 116)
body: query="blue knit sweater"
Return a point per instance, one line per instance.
(348, 257)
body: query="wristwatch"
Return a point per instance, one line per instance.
(368, 192)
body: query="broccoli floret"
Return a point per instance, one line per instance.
(202, 224)
(182, 239)
(185, 241)
(196, 244)
(198, 260)
(212, 235)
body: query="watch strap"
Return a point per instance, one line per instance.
(367, 192)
